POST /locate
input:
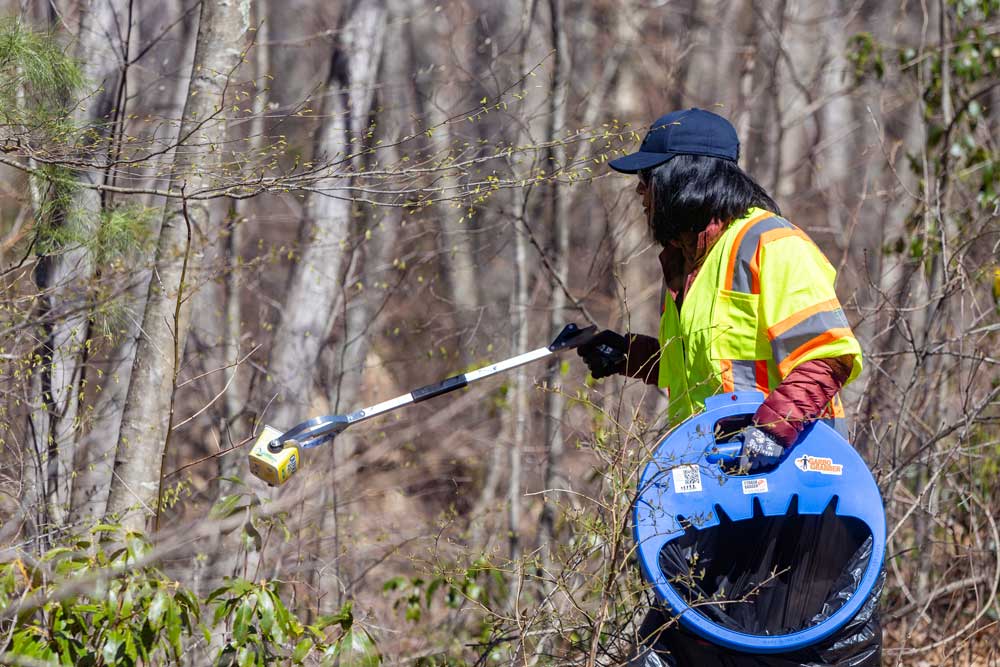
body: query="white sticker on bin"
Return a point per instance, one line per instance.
(687, 478)
(754, 486)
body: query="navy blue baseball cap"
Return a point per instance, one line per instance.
(687, 132)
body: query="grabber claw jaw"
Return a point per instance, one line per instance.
(572, 336)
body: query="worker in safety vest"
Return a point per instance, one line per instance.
(749, 300)
(748, 304)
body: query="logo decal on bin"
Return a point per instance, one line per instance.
(819, 464)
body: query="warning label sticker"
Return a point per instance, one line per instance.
(687, 479)
(819, 464)
(754, 486)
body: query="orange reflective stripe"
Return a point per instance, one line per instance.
(734, 252)
(775, 234)
(760, 372)
(765, 238)
(786, 366)
(728, 382)
(790, 321)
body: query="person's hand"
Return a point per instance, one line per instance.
(760, 449)
(604, 354)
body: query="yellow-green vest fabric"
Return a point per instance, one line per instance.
(763, 302)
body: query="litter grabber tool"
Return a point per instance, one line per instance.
(276, 455)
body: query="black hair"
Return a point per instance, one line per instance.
(689, 191)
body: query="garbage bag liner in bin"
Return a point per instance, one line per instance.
(776, 563)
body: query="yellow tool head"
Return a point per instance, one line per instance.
(275, 468)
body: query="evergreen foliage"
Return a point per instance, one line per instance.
(36, 78)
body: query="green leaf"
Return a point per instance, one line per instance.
(137, 545)
(245, 656)
(156, 609)
(454, 597)
(226, 506)
(105, 528)
(432, 588)
(188, 601)
(345, 617)
(174, 628)
(147, 640)
(241, 622)
(53, 554)
(110, 650)
(355, 649)
(302, 650)
(127, 601)
(281, 614)
(252, 540)
(130, 649)
(393, 584)
(265, 610)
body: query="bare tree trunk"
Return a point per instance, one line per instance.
(235, 398)
(359, 330)
(836, 118)
(316, 277)
(148, 414)
(96, 452)
(64, 276)
(230, 556)
(559, 210)
(456, 243)
(768, 127)
(519, 303)
(751, 63)
(373, 239)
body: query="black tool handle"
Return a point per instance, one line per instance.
(438, 388)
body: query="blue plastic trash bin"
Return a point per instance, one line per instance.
(805, 541)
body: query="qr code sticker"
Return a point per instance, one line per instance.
(687, 479)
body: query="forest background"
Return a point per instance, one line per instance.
(220, 214)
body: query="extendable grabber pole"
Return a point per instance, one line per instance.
(275, 456)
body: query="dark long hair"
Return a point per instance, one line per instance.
(689, 191)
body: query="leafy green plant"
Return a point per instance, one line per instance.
(83, 605)
(260, 630)
(128, 615)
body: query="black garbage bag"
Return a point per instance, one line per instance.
(768, 576)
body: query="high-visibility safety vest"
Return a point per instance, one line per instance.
(762, 303)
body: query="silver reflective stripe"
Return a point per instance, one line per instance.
(744, 375)
(742, 280)
(805, 331)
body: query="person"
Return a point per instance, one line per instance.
(748, 305)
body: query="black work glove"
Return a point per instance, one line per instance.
(760, 449)
(604, 354)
